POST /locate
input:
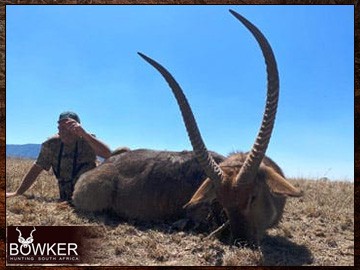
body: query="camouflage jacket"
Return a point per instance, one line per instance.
(67, 161)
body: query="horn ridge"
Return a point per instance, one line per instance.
(249, 169)
(211, 168)
(32, 231)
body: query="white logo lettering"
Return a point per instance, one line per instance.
(27, 247)
(14, 249)
(74, 248)
(38, 247)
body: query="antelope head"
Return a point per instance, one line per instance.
(25, 242)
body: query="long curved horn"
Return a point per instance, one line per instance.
(32, 232)
(19, 232)
(211, 168)
(249, 169)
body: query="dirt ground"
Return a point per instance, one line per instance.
(317, 229)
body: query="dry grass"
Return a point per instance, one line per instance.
(317, 229)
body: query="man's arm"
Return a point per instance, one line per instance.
(100, 148)
(27, 181)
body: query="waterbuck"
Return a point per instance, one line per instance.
(250, 187)
(154, 185)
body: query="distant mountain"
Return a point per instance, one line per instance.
(23, 150)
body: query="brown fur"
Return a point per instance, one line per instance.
(142, 184)
(251, 207)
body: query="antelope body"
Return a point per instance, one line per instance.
(141, 184)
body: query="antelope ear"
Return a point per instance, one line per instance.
(279, 185)
(205, 194)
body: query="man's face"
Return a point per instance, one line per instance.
(65, 134)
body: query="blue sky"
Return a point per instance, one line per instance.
(84, 58)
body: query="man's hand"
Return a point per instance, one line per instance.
(11, 194)
(27, 181)
(74, 127)
(69, 125)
